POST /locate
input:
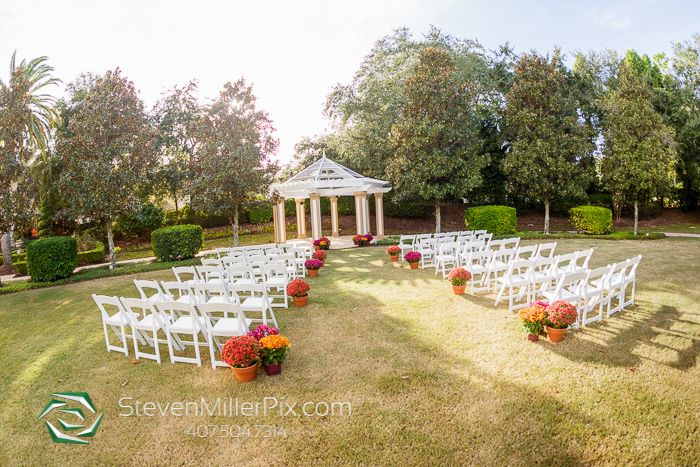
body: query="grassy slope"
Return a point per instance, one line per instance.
(433, 378)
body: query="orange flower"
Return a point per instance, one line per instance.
(274, 341)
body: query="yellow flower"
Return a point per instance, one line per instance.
(274, 341)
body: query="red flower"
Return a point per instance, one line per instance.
(241, 351)
(298, 288)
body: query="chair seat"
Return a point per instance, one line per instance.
(148, 323)
(220, 299)
(230, 327)
(253, 304)
(185, 324)
(127, 317)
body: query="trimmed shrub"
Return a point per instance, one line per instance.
(259, 213)
(498, 220)
(177, 242)
(51, 258)
(593, 220)
(96, 255)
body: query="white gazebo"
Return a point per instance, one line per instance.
(328, 178)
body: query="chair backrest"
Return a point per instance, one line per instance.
(582, 259)
(106, 303)
(478, 257)
(241, 291)
(573, 282)
(512, 242)
(601, 274)
(567, 261)
(212, 312)
(239, 272)
(521, 267)
(176, 290)
(407, 240)
(143, 285)
(545, 267)
(206, 291)
(211, 262)
(209, 273)
(420, 237)
(486, 237)
(480, 232)
(171, 311)
(272, 270)
(140, 307)
(227, 261)
(495, 244)
(526, 252)
(185, 273)
(546, 250)
(631, 271)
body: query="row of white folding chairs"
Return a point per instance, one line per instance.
(528, 280)
(267, 248)
(301, 253)
(176, 324)
(430, 247)
(451, 254)
(274, 276)
(415, 242)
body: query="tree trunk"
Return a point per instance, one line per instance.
(437, 217)
(546, 216)
(6, 242)
(235, 225)
(110, 243)
(636, 216)
(176, 205)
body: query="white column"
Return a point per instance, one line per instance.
(361, 212)
(279, 220)
(301, 218)
(316, 231)
(335, 227)
(379, 213)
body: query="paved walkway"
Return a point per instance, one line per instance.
(337, 243)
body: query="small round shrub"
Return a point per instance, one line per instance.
(146, 220)
(177, 242)
(593, 220)
(51, 258)
(498, 220)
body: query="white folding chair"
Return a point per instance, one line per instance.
(180, 292)
(253, 299)
(186, 274)
(546, 250)
(276, 278)
(594, 295)
(240, 274)
(426, 248)
(117, 318)
(630, 281)
(222, 320)
(526, 252)
(150, 290)
(543, 276)
(613, 287)
(211, 274)
(184, 321)
(570, 287)
(147, 324)
(518, 277)
(447, 256)
(477, 263)
(212, 292)
(406, 243)
(583, 257)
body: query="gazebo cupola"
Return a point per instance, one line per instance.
(328, 178)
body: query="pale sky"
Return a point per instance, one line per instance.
(293, 52)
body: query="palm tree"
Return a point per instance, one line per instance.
(27, 114)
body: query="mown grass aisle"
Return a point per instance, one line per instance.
(430, 376)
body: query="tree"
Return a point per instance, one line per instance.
(27, 115)
(175, 117)
(551, 145)
(437, 141)
(233, 162)
(107, 151)
(639, 147)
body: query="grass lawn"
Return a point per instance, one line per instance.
(433, 378)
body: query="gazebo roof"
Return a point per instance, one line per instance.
(328, 178)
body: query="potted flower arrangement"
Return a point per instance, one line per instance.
(362, 240)
(412, 258)
(458, 277)
(242, 354)
(273, 353)
(262, 330)
(320, 255)
(394, 251)
(558, 317)
(298, 289)
(313, 265)
(322, 243)
(533, 320)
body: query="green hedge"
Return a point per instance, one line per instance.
(498, 220)
(177, 242)
(143, 222)
(51, 258)
(96, 255)
(593, 220)
(259, 213)
(20, 267)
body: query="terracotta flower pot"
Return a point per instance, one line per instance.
(301, 301)
(313, 272)
(533, 337)
(394, 258)
(459, 289)
(273, 369)
(555, 335)
(413, 265)
(245, 375)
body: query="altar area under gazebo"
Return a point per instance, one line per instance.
(328, 178)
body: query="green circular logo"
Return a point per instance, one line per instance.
(74, 417)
